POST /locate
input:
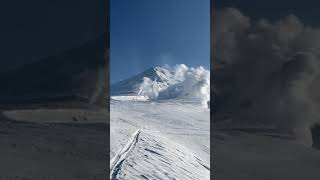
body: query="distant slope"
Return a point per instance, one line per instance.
(76, 74)
(132, 85)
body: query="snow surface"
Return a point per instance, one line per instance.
(262, 154)
(130, 98)
(159, 140)
(160, 128)
(45, 115)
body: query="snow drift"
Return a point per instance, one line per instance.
(159, 140)
(160, 83)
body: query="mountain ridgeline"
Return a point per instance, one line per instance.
(132, 85)
(79, 74)
(163, 83)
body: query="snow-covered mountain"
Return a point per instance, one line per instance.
(131, 86)
(159, 83)
(159, 128)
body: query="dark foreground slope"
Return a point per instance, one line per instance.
(69, 142)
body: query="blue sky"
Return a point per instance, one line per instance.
(147, 33)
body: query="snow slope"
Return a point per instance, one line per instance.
(159, 140)
(262, 154)
(159, 125)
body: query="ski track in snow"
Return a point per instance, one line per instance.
(159, 140)
(117, 161)
(149, 155)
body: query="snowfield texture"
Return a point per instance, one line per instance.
(153, 137)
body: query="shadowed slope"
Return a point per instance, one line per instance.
(76, 74)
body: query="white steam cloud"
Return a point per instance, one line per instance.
(179, 82)
(267, 73)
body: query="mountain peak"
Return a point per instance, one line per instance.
(159, 83)
(131, 85)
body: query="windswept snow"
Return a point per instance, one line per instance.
(159, 140)
(118, 160)
(173, 140)
(159, 126)
(130, 98)
(157, 157)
